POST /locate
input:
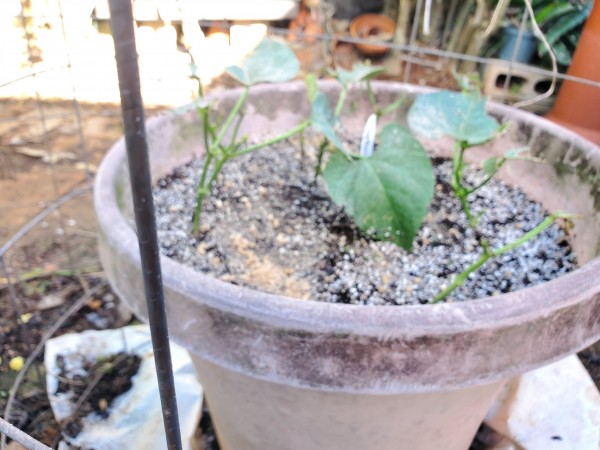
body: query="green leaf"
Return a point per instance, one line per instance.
(565, 25)
(271, 62)
(552, 11)
(388, 192)
(490, 165)
(323, 119)
(359, 72)
(461, 116)
(560, 50)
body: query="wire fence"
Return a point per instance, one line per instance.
(59, 116)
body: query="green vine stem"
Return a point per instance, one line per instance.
(460, 190)
(341, 101)
(488, 253)
(318, 166)
(391, 107)
(372, 99)
(232, 114)
(205, 186)
(288, 134)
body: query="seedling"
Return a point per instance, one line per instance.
(386, 185)
(386, 191)
(271, 62)
(462, 117)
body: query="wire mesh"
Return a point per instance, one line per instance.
(59, 114)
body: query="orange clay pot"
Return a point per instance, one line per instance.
(577, 104)
(372, 26)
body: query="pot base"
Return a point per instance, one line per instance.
(254, 414)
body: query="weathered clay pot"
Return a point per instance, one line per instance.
(281, 373)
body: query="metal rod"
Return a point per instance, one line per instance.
(141, 186)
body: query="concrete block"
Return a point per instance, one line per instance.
(522, 85)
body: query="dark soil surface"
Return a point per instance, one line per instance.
(104, 380)
(31, 411)
(273, 230)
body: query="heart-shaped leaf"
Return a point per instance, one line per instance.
(359, 72)
(323, 119)
(389, 192)
(461, 116)
(271, 62)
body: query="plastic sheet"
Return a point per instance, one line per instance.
(135, 419)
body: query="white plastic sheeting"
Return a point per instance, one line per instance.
(135, 420)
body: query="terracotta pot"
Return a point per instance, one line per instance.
(576, 106)
(282, 373)
(372, 26)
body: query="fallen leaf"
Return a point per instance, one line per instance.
(91, 168)
(26, 317)
(55, 299)
(46, 156)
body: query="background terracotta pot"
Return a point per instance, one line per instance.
(576, 106)
(282, 373)
(372, 26)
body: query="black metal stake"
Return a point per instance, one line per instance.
(141, 185)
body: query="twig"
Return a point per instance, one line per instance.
(41, 273)
(40, 347)
(22, 438)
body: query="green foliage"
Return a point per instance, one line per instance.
(387, 193)
(561, 21)
(359, 72)
(461, 116)
(271, 62)
(323, 119)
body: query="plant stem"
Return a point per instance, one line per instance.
(203, 189)
(302, 149)
(341, 101)
(457, 173)
(322, 147)
(232, 114)
(236, 130)
(487, 179)
(297, 129)
(208, 129)
(372, 98)
(488, 254)
(391, 107)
